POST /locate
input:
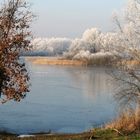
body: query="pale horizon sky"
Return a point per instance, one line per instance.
(70, 18)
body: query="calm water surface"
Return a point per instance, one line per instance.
(62, 99)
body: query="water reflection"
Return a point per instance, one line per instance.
(63, 99)
(93, 81)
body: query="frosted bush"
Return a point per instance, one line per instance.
(50, 46)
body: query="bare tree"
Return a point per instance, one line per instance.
(128, 58)
(15, 35)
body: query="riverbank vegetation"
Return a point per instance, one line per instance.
(54, 61)
(98, 134)
(126, 123)
(128, 76)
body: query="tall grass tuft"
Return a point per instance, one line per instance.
(128, 122)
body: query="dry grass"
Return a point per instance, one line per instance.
(127, 122)
(54, 61)
(74, 62)
(100, 60)
(130, 63)
(96, 60)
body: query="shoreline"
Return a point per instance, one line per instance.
(48, 60)
(54, 61)
(98, 133)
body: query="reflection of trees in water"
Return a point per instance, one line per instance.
(92, 80)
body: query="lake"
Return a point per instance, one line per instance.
(63, 99)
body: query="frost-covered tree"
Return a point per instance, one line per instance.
(128, 64)
(83, 47)
(92, 37)
(49, 46)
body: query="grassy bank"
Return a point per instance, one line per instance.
(97, 61)
(54, 61)
(98, 134)
(67, 61)
(127, 122)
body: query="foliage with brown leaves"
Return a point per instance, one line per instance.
(15, 36)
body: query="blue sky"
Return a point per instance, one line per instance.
(70, 18)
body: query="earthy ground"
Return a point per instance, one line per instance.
(98, 134)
